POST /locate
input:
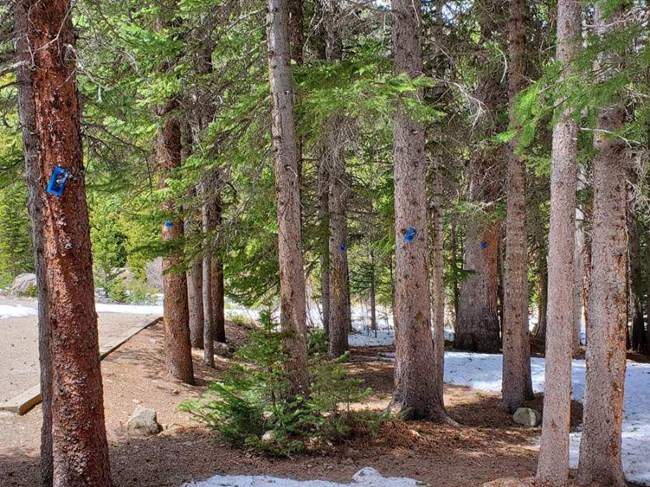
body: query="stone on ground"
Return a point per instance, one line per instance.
(143, 422)
(527, 417)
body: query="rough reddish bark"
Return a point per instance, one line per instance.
(287, 182)
(517, 385)
(477, 323)
(477, 314)
(79, 446)
(416, 391)
(600, 447)
(553, 463)
(34, 179)
(178, 349)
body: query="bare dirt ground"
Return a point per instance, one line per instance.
(19, 348)
(487, 446)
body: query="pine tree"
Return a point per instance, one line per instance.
(79, 454)
(517, 385)
(600, 447)
(416, 388)
(553, 463)
(287, 157)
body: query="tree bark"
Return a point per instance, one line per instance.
(33, 176)
(477, 323)
(635, 279)
(600, 447)
(438, 277)
(339, 286)
(287, 182)
(578, 286)
(178, 348)
(477, 317)
(373, 293)
(193, 228)
(323, 217)
(79, 446)
(416, 391)
(218, 288)
(208, 282)
(553, 463)
(542, 315)
(517, 384)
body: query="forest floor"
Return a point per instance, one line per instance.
(487, 446)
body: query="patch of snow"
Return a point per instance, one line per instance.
(367, 477)
(16, 311)
(483, 371)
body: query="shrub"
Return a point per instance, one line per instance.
(251, 405)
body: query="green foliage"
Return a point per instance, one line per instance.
(253, 399)
(16, 254)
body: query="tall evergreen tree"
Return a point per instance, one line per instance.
(79, 447)
(287, 181)
(553, 463)
(416, 388)
(517, 385)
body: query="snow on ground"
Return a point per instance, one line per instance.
(367, 477)
(483, 371)
(16, 311)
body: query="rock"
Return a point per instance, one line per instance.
(269, 436)
(510, 481)
(222, 349)
(143, 422)
(25, 286)
(527, 417)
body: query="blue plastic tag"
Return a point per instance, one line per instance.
(169, 224)
(484, 245)
(410, 235)
(59, 177)
(343, 247)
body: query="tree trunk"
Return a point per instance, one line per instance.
(193, 228)
(33, 176)
(218, 289)
(553, 463)
(542, 315)
(208, 282)
(635, 279)
(578, 295)
(178, 348)
(373, 294)
(339, 286)
(477, 323)
(323, 217)
(600, 448)
(416, 389)
(438, 277)
(195, 302)
(79, 446)
(517, 385)
(287, 180)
